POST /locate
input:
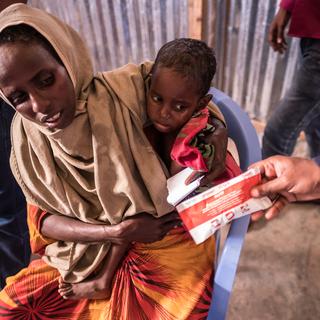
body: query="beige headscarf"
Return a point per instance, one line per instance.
(101, 168)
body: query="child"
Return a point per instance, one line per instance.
(180, 81)
(178, 95)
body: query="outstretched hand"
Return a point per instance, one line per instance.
(293, 179)
(276, 31)
(273, 211)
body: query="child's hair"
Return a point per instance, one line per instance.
(26, 34)
(191, 58)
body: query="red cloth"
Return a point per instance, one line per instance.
(185, 154)
(232, 170)
(190, 156)
(305, 18)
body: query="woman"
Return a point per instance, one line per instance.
(85, 166)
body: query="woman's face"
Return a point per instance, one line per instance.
(36, 84)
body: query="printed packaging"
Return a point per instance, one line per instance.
(207, 212)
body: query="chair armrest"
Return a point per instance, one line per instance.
(244, 135)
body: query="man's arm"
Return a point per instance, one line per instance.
(294, 179)
(276, 36)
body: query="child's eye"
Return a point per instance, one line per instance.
(180, 107)
(156, 98)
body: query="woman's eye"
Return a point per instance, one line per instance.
(46, 81)
(18, 99)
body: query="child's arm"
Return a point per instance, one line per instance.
(219, 139)
(175, 168)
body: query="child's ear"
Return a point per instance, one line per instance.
(204, 101)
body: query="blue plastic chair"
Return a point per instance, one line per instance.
(245, 137)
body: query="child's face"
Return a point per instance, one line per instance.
(36, 84)
(172, 100)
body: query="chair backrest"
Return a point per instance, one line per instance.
(244, 135)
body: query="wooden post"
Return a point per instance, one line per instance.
(195, 18)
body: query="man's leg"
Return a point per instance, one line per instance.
(299, 107)
(312, 132)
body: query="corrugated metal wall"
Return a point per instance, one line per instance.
(122, 31)
(249, 71)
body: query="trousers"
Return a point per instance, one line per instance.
(299, 110)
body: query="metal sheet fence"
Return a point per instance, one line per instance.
(122, 31)
(249, 71)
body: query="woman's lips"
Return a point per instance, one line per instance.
(53, 118)
(52, 121)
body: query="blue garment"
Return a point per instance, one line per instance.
(317, 160)
(300, 108)
(14, 236)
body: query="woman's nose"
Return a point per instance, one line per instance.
(40, 104)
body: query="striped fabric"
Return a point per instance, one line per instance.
(168, 279)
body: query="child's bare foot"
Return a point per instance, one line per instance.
(97, 288)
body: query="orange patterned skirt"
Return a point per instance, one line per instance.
(168, 279)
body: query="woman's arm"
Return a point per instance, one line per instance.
(140, 228)
(69, 229)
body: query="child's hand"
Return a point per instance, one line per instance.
(219, 138)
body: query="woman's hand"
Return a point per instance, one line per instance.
(145, 228)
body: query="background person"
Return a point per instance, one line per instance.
(299, 110)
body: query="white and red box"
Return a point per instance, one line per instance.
(205, 213)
